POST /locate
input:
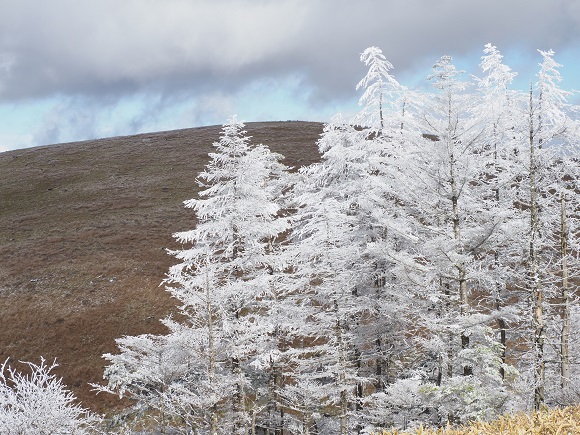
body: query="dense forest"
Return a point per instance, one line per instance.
(423, 272)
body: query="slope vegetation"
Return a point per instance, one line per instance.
(557, 422)
(83, 232)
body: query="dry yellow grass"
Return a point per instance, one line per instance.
(550, 422)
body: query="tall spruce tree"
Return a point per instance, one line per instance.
(223, 286)
(447, 199)
(552, 141)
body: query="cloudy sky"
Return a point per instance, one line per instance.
(80, 69)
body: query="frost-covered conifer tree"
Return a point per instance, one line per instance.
(499, 109)
(223, 283)
(228, 267)
(333, 199)
(458, 223)
(551, 140)
(341, 232)
(381, 91)
(390, 248)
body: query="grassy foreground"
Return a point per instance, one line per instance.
(564, 421)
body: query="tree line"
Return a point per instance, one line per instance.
(424, 271)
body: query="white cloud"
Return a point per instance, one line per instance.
(96, 45)
(197, 59)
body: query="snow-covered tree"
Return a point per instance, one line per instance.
(152, 369)
(447, 198)
(389, 284)
(201, 370)
(326, 254)
(37, 402)
(552, 140)
(381, 94)
(447, 178)
(500, 114)
(341, 230)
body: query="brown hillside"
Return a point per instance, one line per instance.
(83, 232)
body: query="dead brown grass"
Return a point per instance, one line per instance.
(83, 232)
(548, 422)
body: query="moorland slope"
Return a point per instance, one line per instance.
(84, 229)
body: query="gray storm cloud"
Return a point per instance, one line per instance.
(113, 47)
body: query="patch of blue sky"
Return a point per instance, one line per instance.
(525, 62)
(19, 121)
(75, 118)
(288, 99)
(570, 60)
